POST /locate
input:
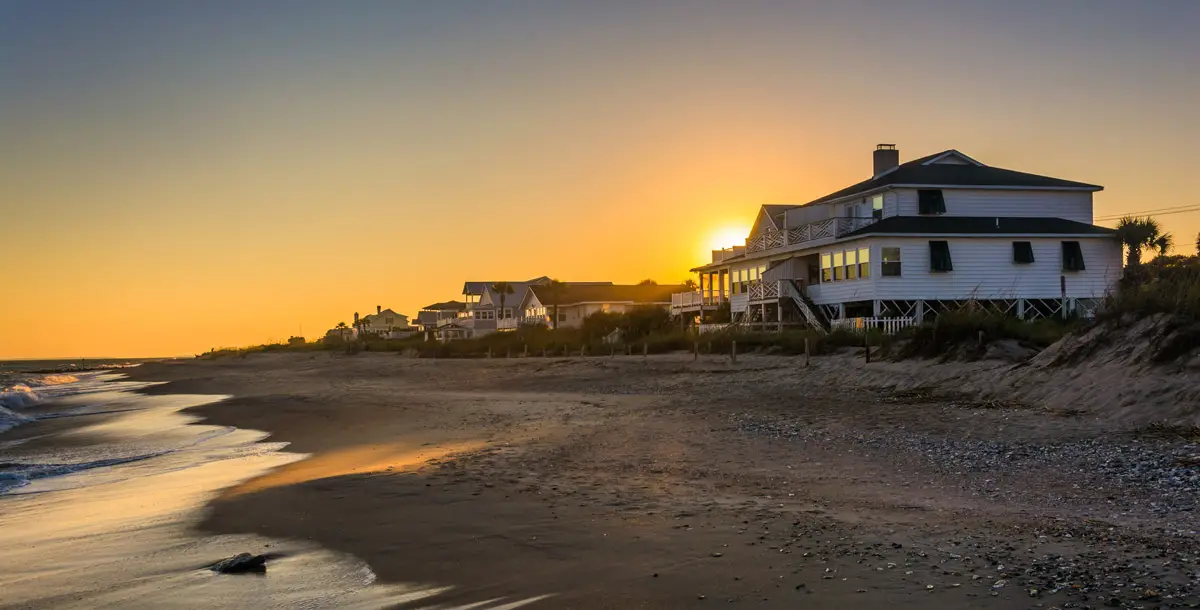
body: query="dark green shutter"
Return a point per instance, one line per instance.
(939, 256)
(1022, 252)
(930, 202)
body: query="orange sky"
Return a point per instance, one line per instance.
(197, 178)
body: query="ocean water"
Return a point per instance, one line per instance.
(100, 491)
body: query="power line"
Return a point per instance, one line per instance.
(1162, 212)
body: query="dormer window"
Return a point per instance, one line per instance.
(877, 207)
(930, 201)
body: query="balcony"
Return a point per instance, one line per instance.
(517, 322)
(694, 301)
(831, 228)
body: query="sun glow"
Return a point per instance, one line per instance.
(727, 237)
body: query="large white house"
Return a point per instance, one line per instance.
(916, 239)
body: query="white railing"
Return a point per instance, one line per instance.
(712, 328)
(822, 229)
(762, 291)
(680, 300)
(889, 326)
(789, 289)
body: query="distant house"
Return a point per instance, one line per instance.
(385, 322)
(340, 333)
(574, 302)
(431, 316)
(483, 314)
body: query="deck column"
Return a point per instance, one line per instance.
(920, 311)
(878, 307)
(1020, 309)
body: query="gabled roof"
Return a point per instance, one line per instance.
(446, 306)
(385, 312)
(944, 225)
(478, 287)
(929, 171)
(572, 294)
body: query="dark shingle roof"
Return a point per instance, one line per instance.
(571, 294)
(447, 306)
(933, 225)
(916, 173)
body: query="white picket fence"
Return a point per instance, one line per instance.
(889, 326)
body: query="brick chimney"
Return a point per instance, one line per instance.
(886, 157)
(378, 309)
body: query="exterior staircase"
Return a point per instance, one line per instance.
(812, 314)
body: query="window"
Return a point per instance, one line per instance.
(890, 262)
(508, 313)
(1023, 253)
(562, 316)
(826, 267)
(1072, 256)
(851, 264)
(939, 256)
(930, 202)
(387, 321)
(864, 262)
(838, 270)
(876, 209)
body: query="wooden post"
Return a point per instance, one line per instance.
(612, 351)
(507, 352)
(645, 349)
(806, 354)
(489, 352)
(526, 350)
(583, 351)
(566, 352)
(981, 338)
(733, 352)
(695, 351)
(543, 352)
(867, 345)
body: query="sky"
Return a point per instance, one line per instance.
(177, 176)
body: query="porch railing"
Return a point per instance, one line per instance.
(822, 229)
(889, 326)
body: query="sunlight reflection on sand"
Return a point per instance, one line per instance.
(394, 457)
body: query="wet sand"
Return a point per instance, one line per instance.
(664, 483)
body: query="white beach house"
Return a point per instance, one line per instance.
(916, 239)
(486, 311)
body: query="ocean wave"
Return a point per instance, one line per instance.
(54, 379)
(14, 475)
(17, 396)
(9, 419)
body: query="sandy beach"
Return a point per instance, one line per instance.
(667, 483)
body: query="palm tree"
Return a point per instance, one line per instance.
(555, 288)
(340, 325)
(503, 289)
(647, 282)
(1139, 233)
(690, 285)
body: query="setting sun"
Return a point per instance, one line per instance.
(727, 237)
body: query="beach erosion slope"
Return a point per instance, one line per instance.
(667, 482)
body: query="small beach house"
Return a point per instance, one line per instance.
(915, 239)
(574, 302)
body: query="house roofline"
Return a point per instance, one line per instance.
(850, 238)
(952, 152)
(905, 185)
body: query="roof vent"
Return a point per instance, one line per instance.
(886, 158)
